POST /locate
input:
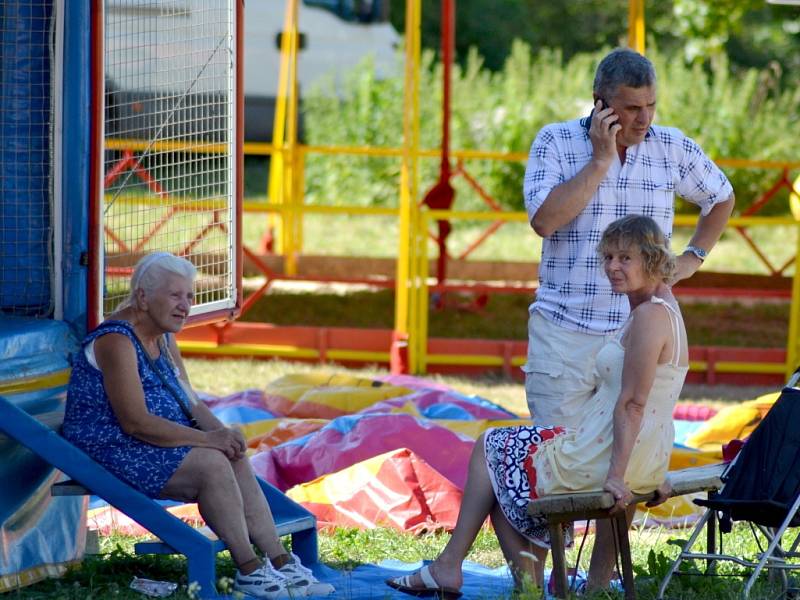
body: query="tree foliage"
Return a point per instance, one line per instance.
(751, 32)
(740, 115)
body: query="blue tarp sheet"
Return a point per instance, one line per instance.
(33, 347)
(366, 582)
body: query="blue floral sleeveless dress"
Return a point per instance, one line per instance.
(90, 423)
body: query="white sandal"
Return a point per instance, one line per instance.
(431, 588)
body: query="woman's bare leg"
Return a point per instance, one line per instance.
(604, 557)
(526, 560)
(257, 514)
(207, 477)
(476, 503)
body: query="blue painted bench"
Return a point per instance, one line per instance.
(175, 536)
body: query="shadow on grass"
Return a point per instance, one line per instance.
(504, 317)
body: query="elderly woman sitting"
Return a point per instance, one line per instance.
(623, 443)
(131, 408)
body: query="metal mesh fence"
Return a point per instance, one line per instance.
(169, 135)
(26, 226)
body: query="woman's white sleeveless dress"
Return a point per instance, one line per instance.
(530, 462)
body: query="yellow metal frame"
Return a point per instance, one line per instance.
(287, 186)
(428, 217)
(411, 304)
(407, 314)
(284, 167)
(273, 350)
(636, 25)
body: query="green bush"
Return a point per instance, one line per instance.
(737, 116)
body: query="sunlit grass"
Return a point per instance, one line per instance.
(108, 575)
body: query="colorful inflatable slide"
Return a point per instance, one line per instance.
(393, 452)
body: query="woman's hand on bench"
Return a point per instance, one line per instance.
(622, 495)
(661, 495)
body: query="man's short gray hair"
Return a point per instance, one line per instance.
(622, 67)
(148, 275)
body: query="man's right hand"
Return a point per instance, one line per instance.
(568, 199)
(603, 133)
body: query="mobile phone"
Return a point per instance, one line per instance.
(603, 106)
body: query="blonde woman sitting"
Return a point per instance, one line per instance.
(623, 444)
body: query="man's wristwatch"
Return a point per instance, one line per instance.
(697, 251)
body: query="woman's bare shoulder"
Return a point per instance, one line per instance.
(114, 343)
(650, 318)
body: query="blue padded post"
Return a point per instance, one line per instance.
(76, 152)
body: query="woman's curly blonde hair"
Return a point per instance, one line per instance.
(643, 233)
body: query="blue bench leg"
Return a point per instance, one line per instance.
(305, 546)
(202, 570)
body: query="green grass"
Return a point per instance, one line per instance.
(108, 575)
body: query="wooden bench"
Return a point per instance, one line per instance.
(559, 509)
(175, 536)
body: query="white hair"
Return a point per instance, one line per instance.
(150, 270)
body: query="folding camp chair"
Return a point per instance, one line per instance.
(762, 487)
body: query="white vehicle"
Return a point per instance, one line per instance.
(335, 35)
(330, 46)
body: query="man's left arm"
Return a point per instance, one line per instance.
(708, 231)
(704, 184)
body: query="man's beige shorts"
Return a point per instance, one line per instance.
(560, 374)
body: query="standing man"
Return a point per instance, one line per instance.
(581, 176)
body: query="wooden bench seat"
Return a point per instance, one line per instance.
(567, 508)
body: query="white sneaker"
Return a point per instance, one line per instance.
(302, 579)
(264, 582)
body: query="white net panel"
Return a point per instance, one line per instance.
(26, 225)
(169, 142)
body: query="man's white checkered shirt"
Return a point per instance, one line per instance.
(573, 290)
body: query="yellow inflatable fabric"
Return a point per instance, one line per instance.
(683, 458)
(732, 423)
(679, 511)
(327, 395)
